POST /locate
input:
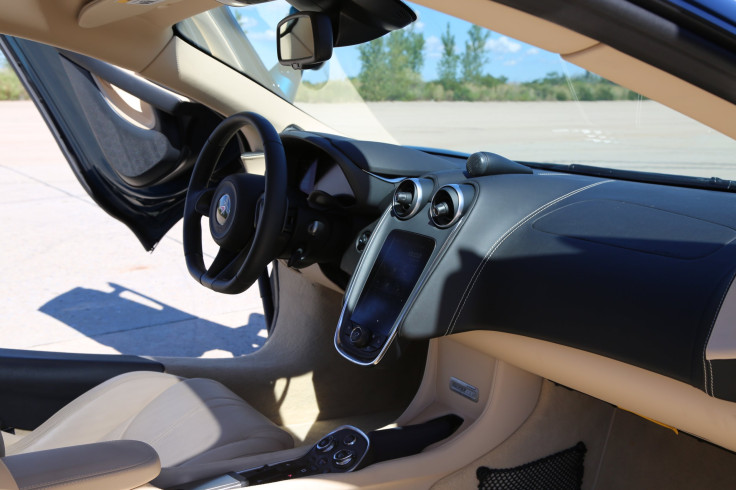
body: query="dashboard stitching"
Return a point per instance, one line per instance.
(494, 247)
(708, 367)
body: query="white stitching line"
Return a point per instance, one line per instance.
(494, 247)
(709, 368)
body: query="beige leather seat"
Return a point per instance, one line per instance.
(187, 421)
(111, 465)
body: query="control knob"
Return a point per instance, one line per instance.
(326, 444)
(359, 336)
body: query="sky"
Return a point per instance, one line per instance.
(517, 61)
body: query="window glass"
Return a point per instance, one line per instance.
(446, 83)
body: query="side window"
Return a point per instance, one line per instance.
(79, 281)
(443, 82)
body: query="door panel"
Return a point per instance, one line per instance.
(131, 143)
(35, 385)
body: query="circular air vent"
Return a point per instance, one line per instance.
(447, 206)
(407, 198)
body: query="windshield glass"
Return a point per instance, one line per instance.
(446, 83)
(720, 13)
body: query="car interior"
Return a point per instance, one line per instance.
(436, 319)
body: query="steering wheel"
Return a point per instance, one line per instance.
(246, 232)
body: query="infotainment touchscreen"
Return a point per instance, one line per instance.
(394, 275)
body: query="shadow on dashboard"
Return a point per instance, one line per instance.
(638, 301)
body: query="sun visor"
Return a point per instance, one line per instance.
(102, 12)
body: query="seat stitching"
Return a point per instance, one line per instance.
(498, 243)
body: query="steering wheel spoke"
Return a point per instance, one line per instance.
(203, 200)
(223, 260)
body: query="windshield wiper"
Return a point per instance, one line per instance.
(638, 176)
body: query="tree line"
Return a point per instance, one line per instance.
(391, 70)
(10, 86)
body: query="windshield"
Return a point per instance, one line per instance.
(720, 13)
(446, 83)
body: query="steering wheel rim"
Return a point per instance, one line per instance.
(233, 271)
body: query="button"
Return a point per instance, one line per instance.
(316, 227)
(326, 444)
(359, 336)
(362, 241)
(343, 457)
(349, 439)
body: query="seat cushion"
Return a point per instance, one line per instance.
(187, 421)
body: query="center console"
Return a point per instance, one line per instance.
(344, 450)
(392, 278)
(340, 451)
(408, 241)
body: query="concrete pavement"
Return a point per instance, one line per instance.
(76, 280)
(634, 135)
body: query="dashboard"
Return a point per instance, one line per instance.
(633, 271)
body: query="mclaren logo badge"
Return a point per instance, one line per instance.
(223, 209)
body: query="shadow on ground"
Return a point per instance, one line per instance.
(133, 323)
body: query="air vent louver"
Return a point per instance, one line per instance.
(408, 198)
(447, 206)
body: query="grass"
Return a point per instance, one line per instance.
(539, 90)
(10, 86)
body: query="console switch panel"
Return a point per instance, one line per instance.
(341, 451)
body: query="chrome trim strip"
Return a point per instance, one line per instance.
(428, 270)
(351, 284)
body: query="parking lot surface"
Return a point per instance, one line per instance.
(76, 280)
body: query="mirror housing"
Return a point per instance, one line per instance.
(304, 40)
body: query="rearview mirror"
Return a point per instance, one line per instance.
(304, 40)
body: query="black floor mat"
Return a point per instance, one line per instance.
(559, 471)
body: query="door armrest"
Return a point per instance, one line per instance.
(118, 465)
